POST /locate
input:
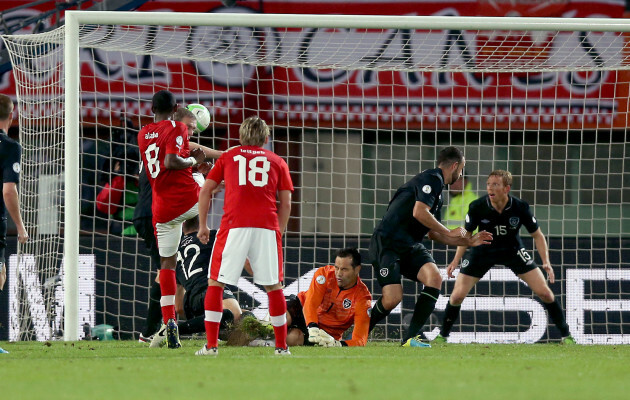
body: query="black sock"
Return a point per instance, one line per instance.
(557, 317)
(193, 325)
(424, 307)
(154, 314)
(378, 313)
(450, 316)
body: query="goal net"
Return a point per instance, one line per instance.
(358, 106)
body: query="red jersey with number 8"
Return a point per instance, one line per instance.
(252, 176)
(174, 191)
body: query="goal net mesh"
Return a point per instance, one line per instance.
(355, 113)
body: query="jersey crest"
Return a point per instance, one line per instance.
(347, 303)
(514, 221)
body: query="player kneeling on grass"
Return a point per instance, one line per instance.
(503, 215)
(336, 299)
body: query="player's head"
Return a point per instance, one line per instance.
(253, 132)
(191, 225)
(163, 104)
(347, 267)
(499, 184)
(451, 161)
(6, 111)
(188, 118)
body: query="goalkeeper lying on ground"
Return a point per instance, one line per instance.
(335, 300)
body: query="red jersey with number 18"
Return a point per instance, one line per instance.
(252, 176)
(174, 191)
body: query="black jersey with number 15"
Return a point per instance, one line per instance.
(398, 225)
(505, 226)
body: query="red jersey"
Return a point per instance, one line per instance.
(174, 191)
(252, 176)
(335, 310)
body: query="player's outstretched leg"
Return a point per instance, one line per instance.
(557, 317)
(424, 307)
(451, 313)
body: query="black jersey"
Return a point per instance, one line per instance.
(193, 260)
(143, 207)
(10, 154)
(398, 225)
(504, 227)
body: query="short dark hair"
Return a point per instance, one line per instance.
(449, 156)
(192, 224)
(350, 252)
(6, 107)
(163, 102)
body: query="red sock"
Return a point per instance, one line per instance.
(168, 287)
(213, 304)
(278, 314)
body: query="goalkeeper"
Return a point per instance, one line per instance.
(336, 299)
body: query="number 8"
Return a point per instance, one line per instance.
(153, 165)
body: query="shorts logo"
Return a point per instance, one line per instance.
(384, 272)
(465, 263)
(426, 189)
(16, 167)
(514, 221)
(347, 303)
(467, 219)
(534, 219)
(321, 279)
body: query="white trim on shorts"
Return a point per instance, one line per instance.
(169, 234)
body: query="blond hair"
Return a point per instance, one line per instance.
(506, 176)
(253, 132)
(182, 113)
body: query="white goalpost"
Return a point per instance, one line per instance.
(358, 105)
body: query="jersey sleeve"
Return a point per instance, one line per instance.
(284, 181)
(471, 222)
(177, 138)
(528, 219)
(361, 321)
(428, 191)
(216, 173)
(314, 296)
(11, 166)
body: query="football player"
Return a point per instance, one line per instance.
(503, 215)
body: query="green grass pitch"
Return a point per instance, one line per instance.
(129, 370)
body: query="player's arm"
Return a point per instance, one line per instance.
(361, 324)
(466, 238)
(174, 161)
(204, 206)
(210, 153)
(543, 251)
(314, 297)
(284, 209)
(12, 202)
(422, 213)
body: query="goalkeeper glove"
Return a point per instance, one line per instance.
(314, 333)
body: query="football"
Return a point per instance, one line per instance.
(202, 114)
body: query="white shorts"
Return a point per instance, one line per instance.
(169, 234)
(263, 248)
